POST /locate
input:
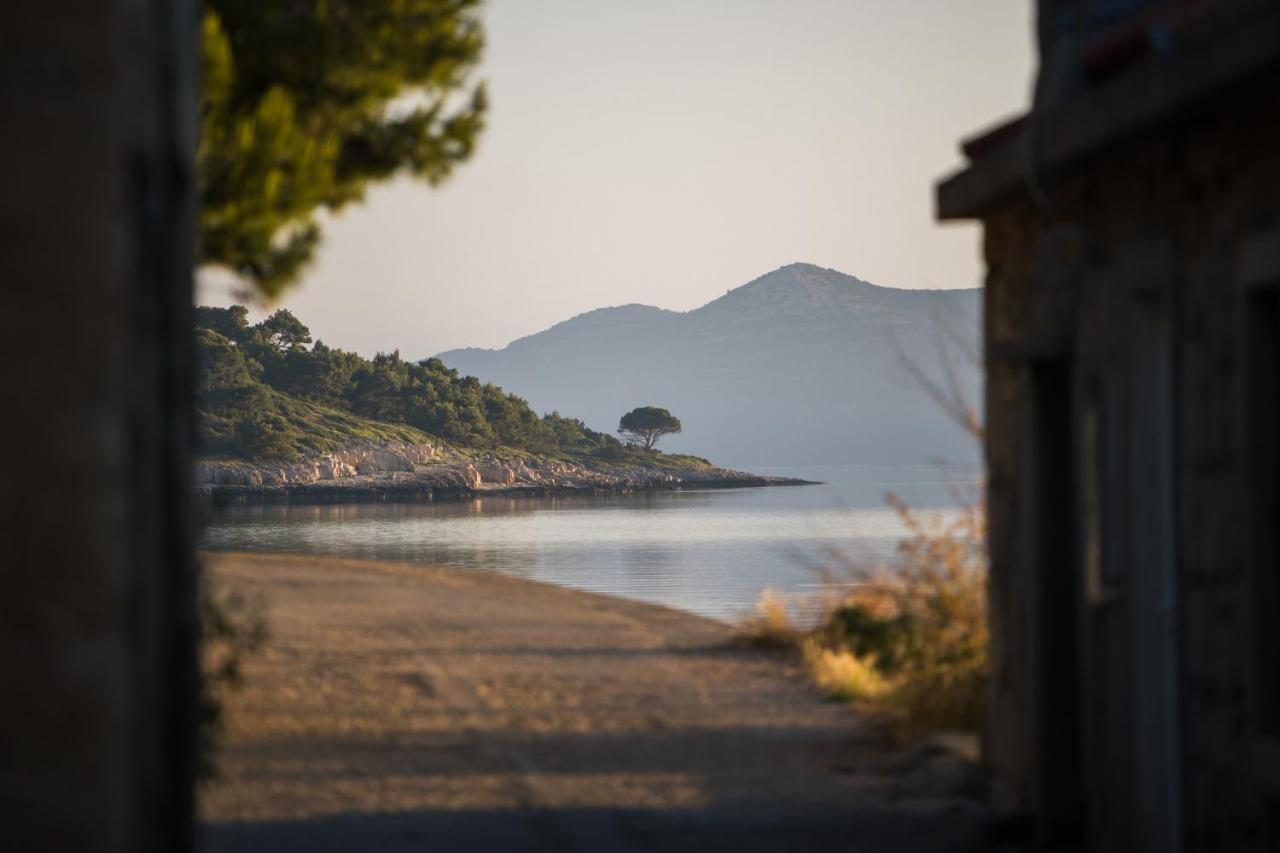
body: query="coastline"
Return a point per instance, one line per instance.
(468, 480)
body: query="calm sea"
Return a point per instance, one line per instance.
(711, 552)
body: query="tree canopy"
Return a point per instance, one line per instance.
(241, 365)
(647, 424)
(285, 332)
(306, 104)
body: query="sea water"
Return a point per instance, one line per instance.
(712, 552)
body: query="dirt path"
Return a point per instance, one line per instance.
(405, 707)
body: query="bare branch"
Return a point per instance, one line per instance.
(947, 393)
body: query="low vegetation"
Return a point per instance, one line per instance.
(267, 392)
(843, 675)
(257, 422)
(232, 629)
(908, 644)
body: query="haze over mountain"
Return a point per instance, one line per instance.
(802, 366)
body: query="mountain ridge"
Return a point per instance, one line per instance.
(638, 308)
(822, 347)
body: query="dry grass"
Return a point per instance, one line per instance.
(909, 643)
(772, 626)
(841, 674)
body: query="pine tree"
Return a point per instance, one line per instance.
(307, 103)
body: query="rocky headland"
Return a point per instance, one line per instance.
(401, 471)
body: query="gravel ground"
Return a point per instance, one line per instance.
(403, 707)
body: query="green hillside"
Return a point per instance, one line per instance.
(258, 422)
(267, 392)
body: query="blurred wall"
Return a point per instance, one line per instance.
(1132, 334)
(97, 627)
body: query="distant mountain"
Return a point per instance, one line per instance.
(803, 366)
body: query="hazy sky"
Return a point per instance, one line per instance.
(664, 152)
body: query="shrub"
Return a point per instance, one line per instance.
(909, 643)
(265, 436)
(939, 589)
(842, 674)
(869, 633)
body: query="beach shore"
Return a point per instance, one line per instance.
(410, 707)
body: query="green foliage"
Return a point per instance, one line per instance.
(634, 454)
(265, 435)
(658, 459)
(307, 104)
(647, 424)
(285, 332)
(266, 395)
(259, 422)
(221, 364)
(870, 635)
(232, 323)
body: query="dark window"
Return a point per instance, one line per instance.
(1263, 463)
(1059, 777)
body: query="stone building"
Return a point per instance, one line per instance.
(97, 600)
(1132, 332)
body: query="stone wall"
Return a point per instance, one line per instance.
(1007, 240)
(1162, 218)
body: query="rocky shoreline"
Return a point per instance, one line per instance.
(396, 472)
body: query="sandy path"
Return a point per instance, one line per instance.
(406, 707)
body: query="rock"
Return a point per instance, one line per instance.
(471, 477)
(391, 470)
(362, 459)
(496, 472)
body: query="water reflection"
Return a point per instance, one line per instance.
(711, 552)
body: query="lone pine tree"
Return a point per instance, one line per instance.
(647, 424)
